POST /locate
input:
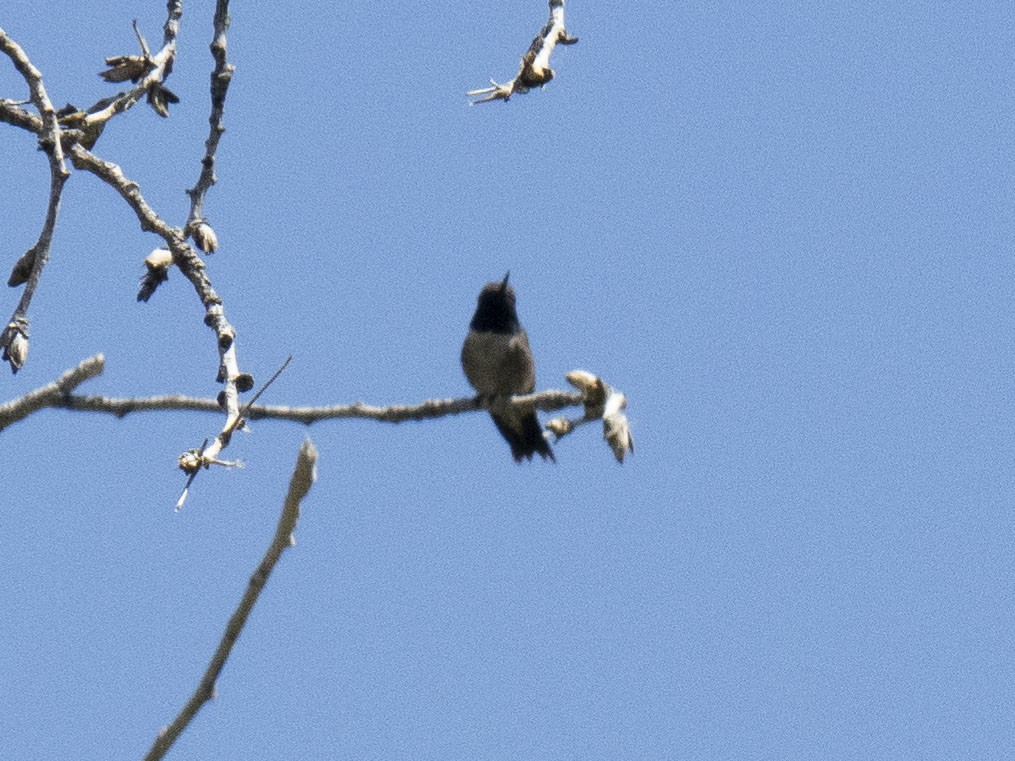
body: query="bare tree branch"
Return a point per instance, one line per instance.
(303, 477)
(12, 113)
(547, 401)
(221, 76)
(193, 268)
(147, 71)
(157, 67)
(535, 68)
(601, 403)
(55, 394)
(28, 270)
(193, 461)
(151, 72)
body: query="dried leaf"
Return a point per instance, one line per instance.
(157, 265)
(22, 269)
(124, 67)
(15, 344)
(159, 97)
(204, 237)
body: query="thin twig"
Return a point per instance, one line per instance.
(141, 41)
(546, 401)
(262, 389)
(184, 257)
(161, 63)
(192, 267)
(221, 76)
(603, 404)
(55, 394)
(14, 338)
(192, 462)
(303, 476)
(94, 117)
(11, 112)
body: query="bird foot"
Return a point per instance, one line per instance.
(486, 401)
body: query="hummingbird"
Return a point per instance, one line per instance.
(498, 363)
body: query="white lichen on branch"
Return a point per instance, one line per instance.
(535, 68)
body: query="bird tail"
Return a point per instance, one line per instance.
(525, 436)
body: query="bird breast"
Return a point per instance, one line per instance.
(499, 363)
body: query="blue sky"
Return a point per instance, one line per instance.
(784, 230)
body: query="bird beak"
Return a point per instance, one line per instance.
(503, 284)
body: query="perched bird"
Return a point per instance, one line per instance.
(498, 362)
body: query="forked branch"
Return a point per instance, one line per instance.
(28, 269)
(535, 68)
